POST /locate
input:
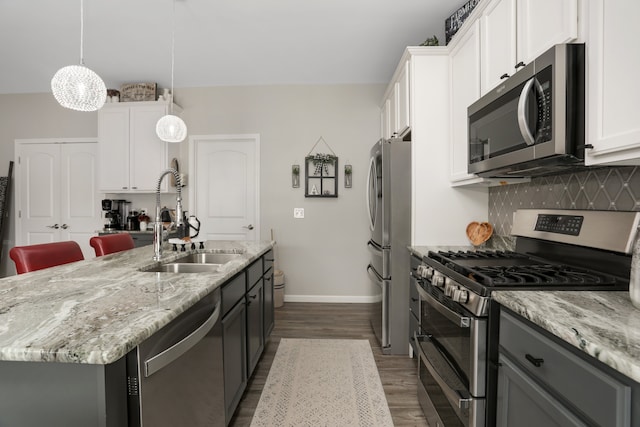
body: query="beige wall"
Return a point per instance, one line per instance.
(324, 256)
(34, 116)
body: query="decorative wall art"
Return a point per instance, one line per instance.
(348, 171)
(135, 92)
(295, 176)
(321, 172)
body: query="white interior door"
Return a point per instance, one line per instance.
(38, 193)
(56, 193)
(80, 202)
(225, 192)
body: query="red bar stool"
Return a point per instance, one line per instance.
(45, 255)
(110, 243)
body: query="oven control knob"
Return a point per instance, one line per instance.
(460, 295)
(449, 289)
(424, 271)
(438, 280)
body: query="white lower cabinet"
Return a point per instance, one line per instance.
(613, 62)
(131, 154)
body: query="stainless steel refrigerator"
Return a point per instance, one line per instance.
(389, 206)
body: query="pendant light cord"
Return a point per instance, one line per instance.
(81, 32)
(173, 48)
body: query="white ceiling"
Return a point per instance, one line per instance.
(218, 42)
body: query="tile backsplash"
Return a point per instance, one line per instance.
(608, 188)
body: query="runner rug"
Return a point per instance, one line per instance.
(317, 382)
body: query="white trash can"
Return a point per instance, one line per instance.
(278, 288)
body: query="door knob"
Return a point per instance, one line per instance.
(56, 226)
(250, 226)
(64, 226)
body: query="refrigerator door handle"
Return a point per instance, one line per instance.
(384, 294)
(374, 248)
(371, 177)
(374, 276)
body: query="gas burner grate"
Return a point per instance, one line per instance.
(542, 274)
(462, 255)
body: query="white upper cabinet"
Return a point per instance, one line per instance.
(464, 69)
(131, 154)
(544, 23)
(498, 40)
(613, 93)
(515, 32)
(395, 109)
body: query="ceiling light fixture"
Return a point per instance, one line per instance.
(172, 128)
(77, 87)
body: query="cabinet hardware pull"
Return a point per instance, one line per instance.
(537, 362)
(56, 226)
(520, 64)
(414, 299)
(504, 76)
(64, 226)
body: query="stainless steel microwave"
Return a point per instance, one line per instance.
(532, 124)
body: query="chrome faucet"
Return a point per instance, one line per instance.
(157, 225)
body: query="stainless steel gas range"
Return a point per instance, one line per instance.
(457, 332)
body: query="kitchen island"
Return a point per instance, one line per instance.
(67, 329)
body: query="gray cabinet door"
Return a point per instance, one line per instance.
(523, 403)
(269, 317)
(255, 325)
(234, 339)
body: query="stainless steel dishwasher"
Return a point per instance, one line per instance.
(176, 377)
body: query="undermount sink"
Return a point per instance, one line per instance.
(208, 258)
(175, 267)
(195, 263)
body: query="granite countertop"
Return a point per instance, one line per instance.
(95, 311)
(495, 243)
(604, 325)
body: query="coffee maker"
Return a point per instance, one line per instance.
(115, 212)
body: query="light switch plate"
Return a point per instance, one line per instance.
(298, 212)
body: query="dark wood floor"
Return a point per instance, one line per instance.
(310, 320)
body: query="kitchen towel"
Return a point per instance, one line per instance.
(320, 382)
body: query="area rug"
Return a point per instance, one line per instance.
(317, 382)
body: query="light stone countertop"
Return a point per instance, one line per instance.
(495, 243)
(95, 311)
(602, 324)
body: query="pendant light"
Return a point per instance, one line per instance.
(77, 87)
(171, 128)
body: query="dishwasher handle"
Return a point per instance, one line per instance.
(160, 360)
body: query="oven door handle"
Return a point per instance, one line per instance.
(455, 397)
(462, 321)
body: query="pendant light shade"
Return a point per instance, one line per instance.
(78, 88)
(171, 128)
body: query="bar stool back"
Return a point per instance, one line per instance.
(45, 255)
(110, 243)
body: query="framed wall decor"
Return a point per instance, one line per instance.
(321, 175)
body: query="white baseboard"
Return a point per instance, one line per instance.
(331, 298)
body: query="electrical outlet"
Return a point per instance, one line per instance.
(298, 212)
